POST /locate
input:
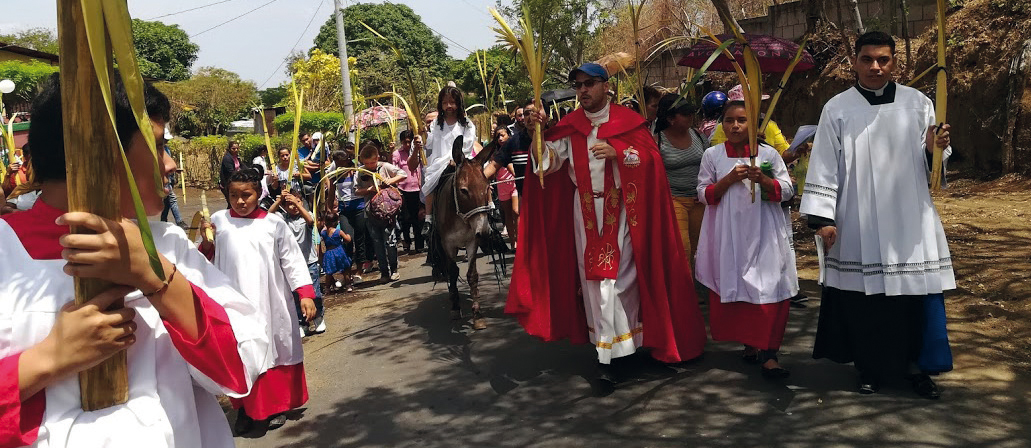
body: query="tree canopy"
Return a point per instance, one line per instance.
(504, 70)
(39, 39)
(397, 22)
(164, 52)
(209, 101)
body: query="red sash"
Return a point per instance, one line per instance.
(601, 256)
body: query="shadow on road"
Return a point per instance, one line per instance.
(500, 387)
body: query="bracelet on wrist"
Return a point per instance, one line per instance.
(164, 286)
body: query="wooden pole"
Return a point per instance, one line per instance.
(91, 158)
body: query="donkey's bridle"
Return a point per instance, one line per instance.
(469, 214)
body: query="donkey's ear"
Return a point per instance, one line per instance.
(457, 154)
(485, 154)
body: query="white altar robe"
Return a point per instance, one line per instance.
(869, 173)
(438, 151)
(263, 258)
(613, 305)
(171, 403)
(744, 248)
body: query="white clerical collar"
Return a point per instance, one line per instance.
(600, 117)
(877, 92)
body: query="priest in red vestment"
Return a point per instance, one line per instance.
(600, 259)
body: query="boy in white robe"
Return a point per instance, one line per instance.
(188, 336)
(887, 260)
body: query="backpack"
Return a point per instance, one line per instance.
(385, 205)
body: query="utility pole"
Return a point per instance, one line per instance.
(345, 71)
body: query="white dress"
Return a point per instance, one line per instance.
(438, 151)
(171, 403)
(263, 258)
(613, 305)
(869, 173)
(744, 248)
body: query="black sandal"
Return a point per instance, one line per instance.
(776, 373)
(868, 384)
(752, 358)
(925, 387)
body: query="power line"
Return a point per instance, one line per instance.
(191, 9)
(310, 21)
(234, 18)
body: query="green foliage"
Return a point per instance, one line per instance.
(504, 67)
(26, 76)
(209, 101)
(566, 26)
(274, 96)
(318, 77)
(310, 122)
(164, 52)
(203, 155)
(39, 39)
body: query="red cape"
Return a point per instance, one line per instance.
(545, 291)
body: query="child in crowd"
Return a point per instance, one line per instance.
(352, 208)
(188, 334)
(384, 234)
(335, 260)
(744, 251)
(258, 251)
(302, 226)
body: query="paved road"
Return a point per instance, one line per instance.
(393, 370)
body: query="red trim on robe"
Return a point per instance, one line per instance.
(258, 213)
(710, 195)
(305, 292)
(734, 151)
(775, 195)
(756, 325)
(19, 420)
(36, 230)
(215, 352)
(544, 293)
(278, 390)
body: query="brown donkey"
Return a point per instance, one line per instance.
(461, 207)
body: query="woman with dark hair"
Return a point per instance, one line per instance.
(451, 123)
(230, 164)
(682, 147)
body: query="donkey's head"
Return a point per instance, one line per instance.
(472, 191)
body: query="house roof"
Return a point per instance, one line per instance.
(11, 48)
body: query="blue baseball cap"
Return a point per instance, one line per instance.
(590, 69)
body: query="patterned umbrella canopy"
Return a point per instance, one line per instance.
(377, 115)
(774, 54)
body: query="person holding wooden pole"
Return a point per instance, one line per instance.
(887, 261)
(185, 337)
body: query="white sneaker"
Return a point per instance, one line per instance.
(303, 331)
(320, 324)
(338, 284)
(395, 276)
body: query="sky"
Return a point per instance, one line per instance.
(255, 44)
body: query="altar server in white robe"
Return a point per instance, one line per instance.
(257, 250)
(188, 336)
(744, 253)
(887, 260)
(449, 124)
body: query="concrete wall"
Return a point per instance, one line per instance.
(884, 15)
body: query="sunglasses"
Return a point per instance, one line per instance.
(590, 83)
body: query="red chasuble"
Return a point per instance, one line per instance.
(545, 291)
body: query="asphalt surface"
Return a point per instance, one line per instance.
(394, 370)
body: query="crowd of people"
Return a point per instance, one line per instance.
(617, 226)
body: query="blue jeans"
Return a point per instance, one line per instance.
(314, 270)
(384, 241)
(171, 203)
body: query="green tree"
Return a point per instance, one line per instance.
(567, 27)
(39, 39)
(209, 101)
(274, 96)
(27, 78)
(504, 70)
(164, 52)
(397, 22)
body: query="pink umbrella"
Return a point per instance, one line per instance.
(774, 54)
(377, 115)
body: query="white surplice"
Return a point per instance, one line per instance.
(171, 404)
(263, 258)
(438, 150)
(612, 305)
(869, 173)
(744, 248)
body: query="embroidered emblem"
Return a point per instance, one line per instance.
(606, 257)
(631, 158)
